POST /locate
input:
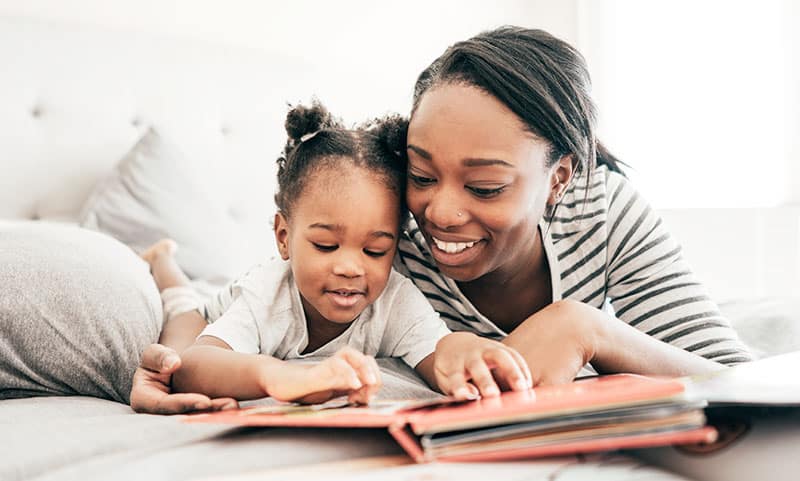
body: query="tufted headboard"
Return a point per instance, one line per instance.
(74, 101)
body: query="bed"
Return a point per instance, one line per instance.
(80, 106)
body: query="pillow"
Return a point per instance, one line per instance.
(768, 326)
(153, 193)
(77, 310)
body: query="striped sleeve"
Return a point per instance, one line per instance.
(652, 287)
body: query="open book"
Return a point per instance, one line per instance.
(596, 414)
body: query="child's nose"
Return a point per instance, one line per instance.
(348, 265)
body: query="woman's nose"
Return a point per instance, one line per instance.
(348, 265)
(444, 211)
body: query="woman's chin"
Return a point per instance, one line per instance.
(458, 264)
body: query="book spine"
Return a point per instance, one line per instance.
(407, 440)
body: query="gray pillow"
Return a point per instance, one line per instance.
(154, 193)
(77, 309)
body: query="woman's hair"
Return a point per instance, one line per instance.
(542, 79)
(317, 140)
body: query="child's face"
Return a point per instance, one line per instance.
(341, 240)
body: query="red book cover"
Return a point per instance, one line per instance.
(596, 414)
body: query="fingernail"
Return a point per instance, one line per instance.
(371, 378)
(522, 384)
(492, 391)
(464, 393)
(170, 361)
(230, 405)
(199, 406)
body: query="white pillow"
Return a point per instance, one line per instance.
(154, 193)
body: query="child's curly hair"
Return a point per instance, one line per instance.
(316, 139)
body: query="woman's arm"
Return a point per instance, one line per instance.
(653, 289)
(561, 338)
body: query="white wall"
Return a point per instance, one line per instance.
(702, 98)
(367, 54)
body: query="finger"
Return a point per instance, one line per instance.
(523, 365)
(506, 368)
(344, 375)
(482, 377)
(361, 363)
(171, 403)
(160, 358)
(456, 385)
(224, 403)
(370, 390)
(359, 396)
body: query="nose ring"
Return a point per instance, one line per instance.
(459, 213)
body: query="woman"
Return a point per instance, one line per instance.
(524, 227)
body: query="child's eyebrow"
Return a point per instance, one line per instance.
(382, 233)
(340, 228)
(330, 227)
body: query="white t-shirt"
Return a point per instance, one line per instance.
(262, 313)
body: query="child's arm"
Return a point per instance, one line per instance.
(212, 368)
(466, 365)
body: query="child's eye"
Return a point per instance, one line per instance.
(421, 181)
(325, 247)
(372, 253)
(486, 193)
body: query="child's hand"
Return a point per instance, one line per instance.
(348, 372)
(468, 366)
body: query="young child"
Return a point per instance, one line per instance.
(341, 204)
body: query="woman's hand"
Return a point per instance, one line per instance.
(467, 366)
(152, 393)
(348, 372)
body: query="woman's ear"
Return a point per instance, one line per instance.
(560, 177)
(282, 235)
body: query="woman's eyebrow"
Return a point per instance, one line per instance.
(420, 151)
(485, 162)
(470, 162)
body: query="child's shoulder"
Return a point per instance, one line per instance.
(265, 276)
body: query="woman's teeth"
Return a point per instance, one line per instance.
(452, 247)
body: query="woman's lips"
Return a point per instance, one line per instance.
(455, 254)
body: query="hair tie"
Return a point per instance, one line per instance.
(308, 136)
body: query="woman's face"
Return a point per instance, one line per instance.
(477, 182)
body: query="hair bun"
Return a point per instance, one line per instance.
(302, 120)
(391, 132)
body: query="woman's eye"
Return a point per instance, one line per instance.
(486, 193)
(325, 247)
(420, 180)
(372, 253)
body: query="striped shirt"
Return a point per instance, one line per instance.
(604, 245)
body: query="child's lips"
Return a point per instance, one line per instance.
(345, 297)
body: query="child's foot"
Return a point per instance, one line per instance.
(159, 250)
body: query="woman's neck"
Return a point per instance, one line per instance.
(510, 294)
